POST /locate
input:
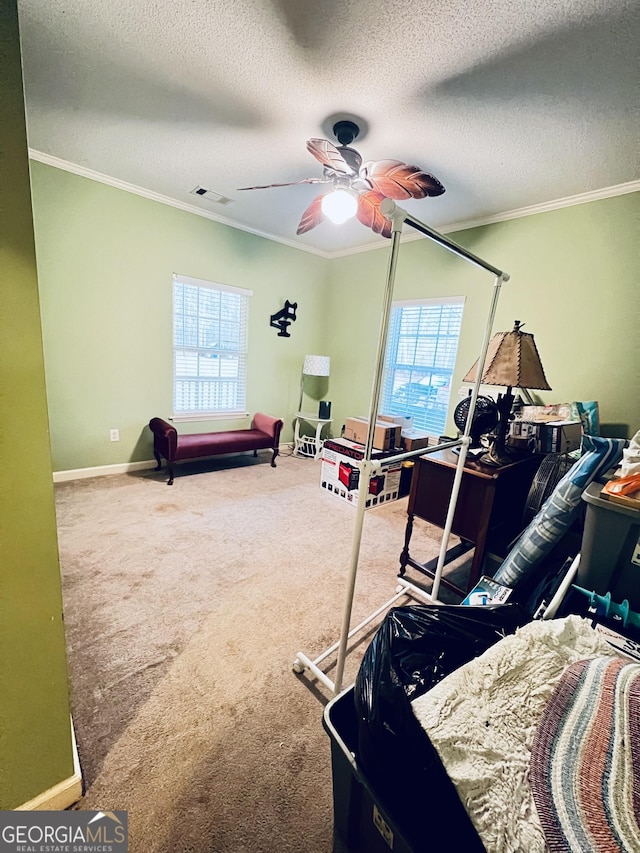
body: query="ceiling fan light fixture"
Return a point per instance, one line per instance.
(356, 188)
(339, 205)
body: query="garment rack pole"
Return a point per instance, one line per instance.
(302, 662)
(466, 441)
(441, 240)
(365, 468)
(398, 216)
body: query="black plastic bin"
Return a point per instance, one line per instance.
(361, 818)
(366, 820)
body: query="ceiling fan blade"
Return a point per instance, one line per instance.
(330, 157)
(289, 184)
(394, 179)
(369, 214)
(312, 216)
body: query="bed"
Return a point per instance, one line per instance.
(528, 745)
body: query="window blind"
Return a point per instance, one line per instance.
(209, 347)
(419, 361)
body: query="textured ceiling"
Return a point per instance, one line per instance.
(509, 103)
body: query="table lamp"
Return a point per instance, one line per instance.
(314, 365)
(513, 361)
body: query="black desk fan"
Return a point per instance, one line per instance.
(485, 417)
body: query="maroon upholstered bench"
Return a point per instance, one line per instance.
(264, 434)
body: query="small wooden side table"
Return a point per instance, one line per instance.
(309, 445)
(489, 508)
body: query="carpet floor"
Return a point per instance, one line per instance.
(184, 609)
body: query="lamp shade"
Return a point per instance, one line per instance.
(316, 365)
(512, 360)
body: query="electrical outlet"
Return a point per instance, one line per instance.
(114, 434)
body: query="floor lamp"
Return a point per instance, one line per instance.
(314, 365)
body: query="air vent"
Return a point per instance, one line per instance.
(216, 198)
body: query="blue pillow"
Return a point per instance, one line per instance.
(560, 509)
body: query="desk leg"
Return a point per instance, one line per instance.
(481, 542)
(404, 556)
(477, 562)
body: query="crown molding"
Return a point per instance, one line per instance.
(84, 172)
(547, 206)
(518, 213)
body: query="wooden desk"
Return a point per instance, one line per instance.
(489, 508)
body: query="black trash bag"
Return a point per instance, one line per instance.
(414, 649)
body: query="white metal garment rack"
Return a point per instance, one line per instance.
(368, 467)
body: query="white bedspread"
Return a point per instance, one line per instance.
(482, 720)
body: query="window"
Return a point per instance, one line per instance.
(209, 348)
(419, 362)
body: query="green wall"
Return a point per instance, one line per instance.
(106, 257)
(574, 281)
(35, 737)
(105, 264)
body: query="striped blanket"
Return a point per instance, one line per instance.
(483, 719)
(585, 761)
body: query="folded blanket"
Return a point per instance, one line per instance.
(585, 761)
(483, 718)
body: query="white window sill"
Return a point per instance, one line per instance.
(208, 416)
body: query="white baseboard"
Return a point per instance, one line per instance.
(101, 470)
(62, 795)
(119, 468)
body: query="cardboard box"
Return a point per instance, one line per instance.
(544, 414)
(386, 435)
(559, 436)
(415, 439)
(547, 437)
(402, 421)
(340, 473)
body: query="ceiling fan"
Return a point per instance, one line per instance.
(357, 188)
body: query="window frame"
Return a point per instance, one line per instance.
(392, 367)
(239, 410)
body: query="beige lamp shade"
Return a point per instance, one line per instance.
(316, 365)
(512, 360)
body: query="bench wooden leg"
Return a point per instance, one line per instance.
(170, 466)
(273, 458)
(158, 460)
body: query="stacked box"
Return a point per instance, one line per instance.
(415, 439)
(340, 473)
(386, 435)
(548, 436)
(403, 421)
(524, 429)
(559, 436)
(523, 435)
